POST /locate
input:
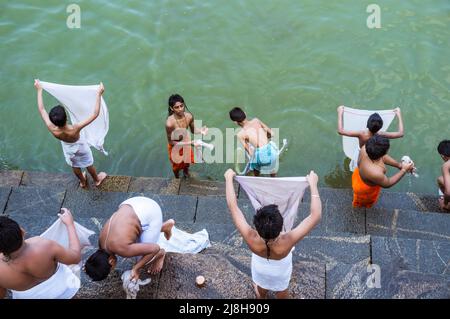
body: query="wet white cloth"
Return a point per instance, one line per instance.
(150, 217)
(78, 154)
(272, 274)
(183, 242)
(79, 101)
(286, 192)
(131, 287)
(356, 120)
(64, 284)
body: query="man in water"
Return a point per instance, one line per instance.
(133, 230)
(444, 180)
(374, 124)
(35, 268)
(370, 175)
(271, 249)
(263, 152)
(178, 138)
(76, 151)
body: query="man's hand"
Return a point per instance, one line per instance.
(66, 216)
(204, 130)
(397, 111)
(340, 109)
(312, 178)
(229, 174)
(134, 274)
(408, 167)
(37, 85)
(101, 89)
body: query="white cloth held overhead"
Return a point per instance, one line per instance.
(356, 120)
(79, 101)
(183, 242)
(286, 192)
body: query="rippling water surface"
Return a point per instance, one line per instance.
(290, 63)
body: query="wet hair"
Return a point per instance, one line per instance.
(444, 148)
(173, 99)
(11, 238)
(237, 115)
(268, 223)
(374, 123)
(377, 146)
(58, 116)
(97, 266)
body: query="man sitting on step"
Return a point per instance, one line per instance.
(133, 230)
(271, 248)
(370, 175)
(444, 180)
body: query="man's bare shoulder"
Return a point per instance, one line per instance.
(189, 116)
(170, 122)
(446, 165)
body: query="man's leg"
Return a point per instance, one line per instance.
(282, 294)
(256, 172)
(166, 228)
(157, 262)
(186, 171)
(98, 178)
(260, 293)
(441, 200)
(81, 176)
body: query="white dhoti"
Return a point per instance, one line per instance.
(78, 154)
(150, 217)
(64, 284)
(273, 275)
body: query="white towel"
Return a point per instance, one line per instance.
(183, 242)
(356, 120)
(79, 101)
(131, 287)
(286, 192)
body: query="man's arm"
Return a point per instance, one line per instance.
(42, 111)
(236, 214)
(148, 251)
(341, 130)
(315, 215)
(391, 162)
(71, 255)
(194, 130)
(400, 132)
(98, 102)
(242, 138)
(387, 182)
(266, 128)
(446, 176)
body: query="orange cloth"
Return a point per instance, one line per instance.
(179, 160)
(363, 194)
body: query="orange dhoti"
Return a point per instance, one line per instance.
(363, 194)
(180, 156)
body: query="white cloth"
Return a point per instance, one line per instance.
(79, 101)
(286, 192)
(272, 274)
(183, 242)
(63, 284)
(150, 217)
(78, 154)
(131, 287)
(356, 120)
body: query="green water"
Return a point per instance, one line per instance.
(290, 63)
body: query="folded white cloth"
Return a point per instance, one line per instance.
(79, 101)
(131, 287)
(63, 284)
(272, 274)
(286, 192)
(356, 120)
(183, 242)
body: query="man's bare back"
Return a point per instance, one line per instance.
(253, 132)
(68, 134)
(370, 171)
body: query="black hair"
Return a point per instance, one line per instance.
(58, 116)
(237, 115)
(11, 238)
(268, 223)
(377, 146)
(374, 123)
(444, 148)
(174, 98)
(97, 266)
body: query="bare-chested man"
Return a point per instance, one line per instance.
(374, 124)
(444, 180)
(370, 175)
(264, 153)
(133, 230)
(178, 138)
(76, 151)
(272, 249)
(35, 268)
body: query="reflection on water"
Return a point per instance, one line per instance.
(340, 177)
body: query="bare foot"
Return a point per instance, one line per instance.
(167, 228)
(157, 264)
(85, 184)
(442, 205)
(100, 178)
